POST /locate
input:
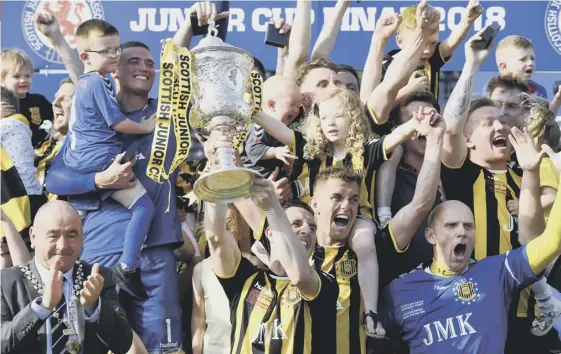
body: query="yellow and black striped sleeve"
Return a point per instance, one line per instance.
(14, 198)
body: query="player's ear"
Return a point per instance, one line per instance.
(502, 67)
(429, 235)
(399, 41)
(469, 142)
(314, 205)
(84, 56)
(269, 233)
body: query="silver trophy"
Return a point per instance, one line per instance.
(220, 83)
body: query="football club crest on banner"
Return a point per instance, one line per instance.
(347, 268)
(466, 291)
(69, 14)
(553, 24)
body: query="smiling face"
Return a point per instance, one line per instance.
(452, 234)
(336, 204)
(334, 121)
(56, 235)
(61, 107)
(487, 137)
(136, 70)
(18, 82)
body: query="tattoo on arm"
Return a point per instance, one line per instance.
(458, 104)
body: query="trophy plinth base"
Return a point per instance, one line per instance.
(224, 185)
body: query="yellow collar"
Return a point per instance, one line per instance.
(442, 270)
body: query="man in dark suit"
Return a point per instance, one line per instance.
(55, 304)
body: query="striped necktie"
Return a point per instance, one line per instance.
(58, 339)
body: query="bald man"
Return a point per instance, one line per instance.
(282, 100)
(56, 304)
(454, 304)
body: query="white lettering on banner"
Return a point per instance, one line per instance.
(356, 19)
(553, 24)
(237, 16)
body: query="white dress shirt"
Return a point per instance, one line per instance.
(67, 288)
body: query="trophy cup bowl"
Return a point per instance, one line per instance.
(220, 82)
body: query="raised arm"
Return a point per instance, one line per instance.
(300, 38)
(408, 220)
(531, 221)
(18, 250)
(290, 251)
(382, 99)
(544, 249)
(456, 110)
(328, 35)
(472, 13)
(372, 74)
(275, 127)
(224, 251)
(48, 25)
(205, 11)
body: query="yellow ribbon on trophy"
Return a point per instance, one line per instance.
(174, 94)
(181, 99)
(164, 116)
(256, 83)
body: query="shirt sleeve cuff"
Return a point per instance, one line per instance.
(39, 310)
(95, 316)
(89, 180)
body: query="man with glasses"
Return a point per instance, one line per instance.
(94, 140)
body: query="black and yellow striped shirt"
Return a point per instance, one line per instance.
(342, 263)
(45, 152)
(14, 198)
(487, 193)
(305, 171)
(270, 316)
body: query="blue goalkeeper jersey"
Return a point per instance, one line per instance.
(465, 313)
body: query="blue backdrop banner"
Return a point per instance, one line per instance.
(151, 21)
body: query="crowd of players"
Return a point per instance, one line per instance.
(381, 224)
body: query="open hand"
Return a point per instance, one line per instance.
(52, 293)
(474, 55)
(89, 295)
(555, 157)
(263, 194)
(206, 11)
(528, 156)
(283, 153)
